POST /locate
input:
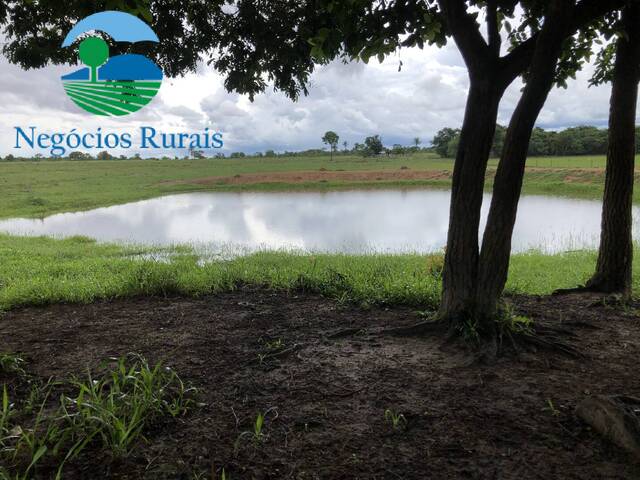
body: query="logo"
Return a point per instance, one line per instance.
(112, 86)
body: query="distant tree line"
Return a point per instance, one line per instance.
(583, 140)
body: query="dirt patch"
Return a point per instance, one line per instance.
(327, 397)
(320, 176)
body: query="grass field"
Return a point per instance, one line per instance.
(34, 189)
(40, 271)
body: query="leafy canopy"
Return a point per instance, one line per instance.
(254, 43)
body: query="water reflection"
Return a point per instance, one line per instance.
(352, 222)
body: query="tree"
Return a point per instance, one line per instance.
(331, 138)
(539, 143)
(452, 147)
(442, 139)
(496, 244)
(583, 140)
(498, 141)
(416, 143)
(104, 156)
(613, 269)
(79, 156)
(398, 149)
(93, 52)
(345, 144)
(373, 145)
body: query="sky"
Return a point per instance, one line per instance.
(354, 100)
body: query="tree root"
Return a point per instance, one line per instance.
(416, 330)
(608, 297)
(548, 342)
(569, 291)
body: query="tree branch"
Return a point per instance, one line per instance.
(518, 60)
(495, 40)
(466, 34)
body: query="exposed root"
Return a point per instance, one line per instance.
(416, 330)
(569, 291)
(608, 297)
(495, 340)
(547, 342)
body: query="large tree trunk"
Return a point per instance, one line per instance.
(613, 270)
(496, 245)
(461, 257)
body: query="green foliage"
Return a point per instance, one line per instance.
(331, 139)
(582, 140)
(249, 43)
(442, 139)
(11, 363)
(373, 145)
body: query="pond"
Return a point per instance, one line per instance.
(385, 221)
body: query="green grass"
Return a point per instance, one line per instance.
(36, 189)
(41, 271)
(111, 411)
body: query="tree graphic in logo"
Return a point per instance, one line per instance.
(111, 86)
(94, 52)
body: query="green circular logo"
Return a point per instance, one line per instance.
(112, 86)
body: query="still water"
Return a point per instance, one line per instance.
(352, 222)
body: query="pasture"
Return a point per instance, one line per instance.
(39, 188)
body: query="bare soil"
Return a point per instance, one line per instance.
(318, 176)
(325, 397)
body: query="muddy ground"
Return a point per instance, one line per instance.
(326, 398)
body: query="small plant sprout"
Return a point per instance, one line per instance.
(552, 408)
(6, 412)
(258, 425)
(396, 419)
(257, 434)
(11, 363)
(276, 344)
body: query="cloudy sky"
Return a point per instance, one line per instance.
(355, 100)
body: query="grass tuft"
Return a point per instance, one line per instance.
(110, 412)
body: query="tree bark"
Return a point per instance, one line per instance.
(461, 256)
(613, 270)
(487, 86)
(496, 245)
